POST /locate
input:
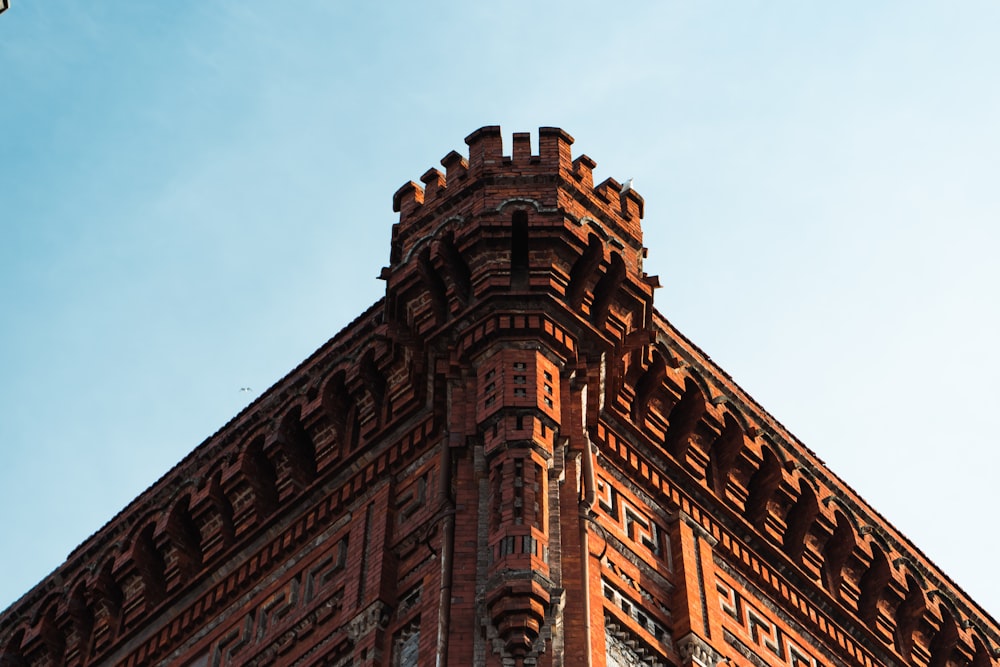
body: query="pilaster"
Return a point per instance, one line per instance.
(697, 622)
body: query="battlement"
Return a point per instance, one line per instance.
(486, 156)
(488, 165)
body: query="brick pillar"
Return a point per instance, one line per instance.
(697, 620)
(518, 413)
(371, 568)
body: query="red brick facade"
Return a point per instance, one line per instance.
(510, 460)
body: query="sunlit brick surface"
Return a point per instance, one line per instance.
(509, 460)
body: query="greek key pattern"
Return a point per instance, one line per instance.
(764, 632)
(636, 525)
(412, 497)
(258, 627)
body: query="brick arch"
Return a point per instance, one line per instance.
(837, 503)
(945, 640)
(946, 603)
(435, 286)
(339, 407)
(749, 428)
(455, 221)
(684, 418)
(583, 270)
(296, 451)
(647, 386)
(762, 486)
(606, 288)
(221, 513)
(837, 550)
(52, 638)
(873, 585)
(906, 566)
(594, 225)
(80, 610)
(150, 565)
(694, 376)
(186, 539)
(376, 383)
(109, 604)
(907, 615)
(259, 473)
(799, 520)
(521, 202)
(723, 454)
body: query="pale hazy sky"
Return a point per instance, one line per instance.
(196, 195)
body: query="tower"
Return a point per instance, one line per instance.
(511, 459)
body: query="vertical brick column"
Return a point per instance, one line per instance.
(518, 402)
(462, 630)
(371, 565)
(698, 624)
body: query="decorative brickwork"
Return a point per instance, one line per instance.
(512, 459)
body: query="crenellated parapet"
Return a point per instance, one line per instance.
(498, 226)
(499, 179)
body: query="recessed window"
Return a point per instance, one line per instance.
(519, 256)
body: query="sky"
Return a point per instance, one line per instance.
(194, 196)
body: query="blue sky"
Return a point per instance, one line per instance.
(196, 195)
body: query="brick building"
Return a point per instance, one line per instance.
(511, 459)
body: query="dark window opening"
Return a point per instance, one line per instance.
(519, 250)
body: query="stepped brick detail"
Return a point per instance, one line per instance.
(511, 459)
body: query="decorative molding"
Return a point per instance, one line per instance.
(765, 632)
(639, 528)
(642, 617)
(375, 615)
(696, 652)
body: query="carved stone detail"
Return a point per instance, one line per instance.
(375, 615)
(696, 652)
